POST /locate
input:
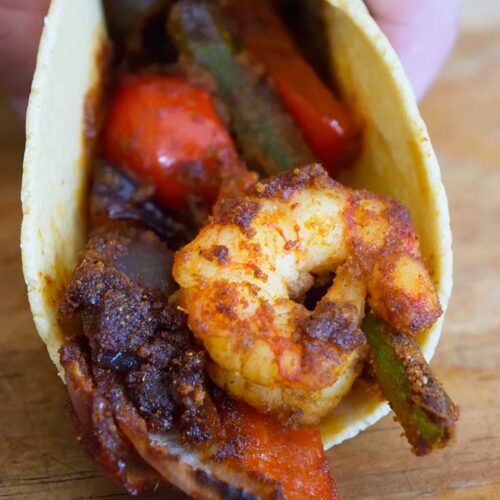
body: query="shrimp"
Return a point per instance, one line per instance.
(244, 277)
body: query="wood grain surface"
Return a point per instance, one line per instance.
(39, 457)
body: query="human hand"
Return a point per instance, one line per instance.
(21, 23)
(421, 31)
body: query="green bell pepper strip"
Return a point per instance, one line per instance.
(269, 139)
(419, 401)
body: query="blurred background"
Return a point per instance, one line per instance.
(39, 456)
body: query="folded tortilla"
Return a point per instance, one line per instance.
(397, 160)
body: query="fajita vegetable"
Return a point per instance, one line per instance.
(219, 307)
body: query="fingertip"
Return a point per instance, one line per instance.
(422, 32)
(21, 24)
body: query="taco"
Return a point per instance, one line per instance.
(198, 277)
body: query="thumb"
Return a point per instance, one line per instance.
(21, 23)
(421, 31)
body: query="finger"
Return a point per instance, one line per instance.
(21, 23)
(421, 31)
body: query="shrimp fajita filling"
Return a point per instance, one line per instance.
(231, 291)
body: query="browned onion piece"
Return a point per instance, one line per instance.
(117, 195)
(107, 423)
(96, 427)
(189, 469)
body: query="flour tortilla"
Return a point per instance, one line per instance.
(397, 160)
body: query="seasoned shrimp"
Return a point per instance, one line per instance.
(243, 278)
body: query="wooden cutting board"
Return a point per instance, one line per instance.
(39, 457)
